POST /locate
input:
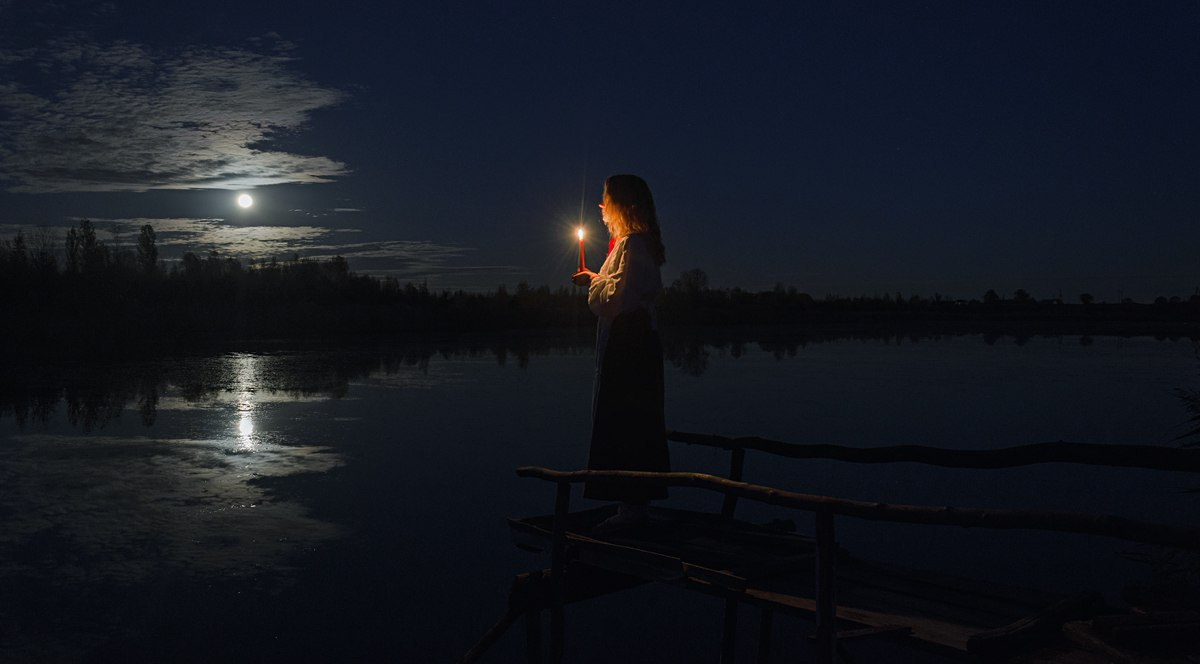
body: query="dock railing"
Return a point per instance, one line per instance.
(825, 508)
(1147, 456)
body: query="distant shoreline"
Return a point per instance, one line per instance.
(74, 345)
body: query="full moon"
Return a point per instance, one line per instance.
(245, 201)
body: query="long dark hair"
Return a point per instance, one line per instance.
(629, 203)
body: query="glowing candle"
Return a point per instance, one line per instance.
(582, 266)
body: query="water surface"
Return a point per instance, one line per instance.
(340, 503)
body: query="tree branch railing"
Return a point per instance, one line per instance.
(992, 518)
(1148, 456)
(825, 508)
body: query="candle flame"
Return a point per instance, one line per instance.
(579, 232)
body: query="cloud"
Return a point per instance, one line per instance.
(80, 115)
(439, 265)
(176, 235)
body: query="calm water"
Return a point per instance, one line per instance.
(347, 503)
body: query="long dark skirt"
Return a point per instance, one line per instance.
(628, 426)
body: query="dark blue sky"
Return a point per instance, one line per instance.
(843, 148)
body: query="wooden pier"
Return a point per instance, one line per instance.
(770, 567)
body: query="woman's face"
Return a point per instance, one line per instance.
(605, 215)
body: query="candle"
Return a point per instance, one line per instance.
(582, 265)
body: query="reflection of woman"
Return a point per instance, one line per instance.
(628, 429)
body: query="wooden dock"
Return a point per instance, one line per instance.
(773, 568)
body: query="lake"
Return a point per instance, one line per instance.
(342, 503)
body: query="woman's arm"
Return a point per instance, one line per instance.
(629, 280)
(607, 290)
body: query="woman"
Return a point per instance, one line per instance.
(628, 428)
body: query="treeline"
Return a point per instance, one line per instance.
(689, 300)
(74, 290)
(102, 292)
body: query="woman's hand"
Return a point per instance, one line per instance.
(583, 277)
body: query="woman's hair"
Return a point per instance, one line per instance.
(629, 206)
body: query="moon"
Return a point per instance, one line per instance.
(245, 200)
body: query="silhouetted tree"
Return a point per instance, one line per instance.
(692, 282)
(42, 254)
(147, 252)
(1086, 298)
(18, 253)
(93, 253)
(991, 297)
(74, 251)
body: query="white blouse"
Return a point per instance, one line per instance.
(628, 280)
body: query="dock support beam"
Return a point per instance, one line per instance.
(826, 570)
(533, 637)
(737, 465)
(562, 504)
(729, 632)
(764, 636)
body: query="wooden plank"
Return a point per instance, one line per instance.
(902, 588)
(730, 582)
(1040, 627)
(873, 632)
(1081, 634)
(1026, 599)
(944, 634)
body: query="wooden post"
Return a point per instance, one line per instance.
(737, 464)
(764, 636)
(562, 504)
(826, 570)
(533, 636)
(729, 633)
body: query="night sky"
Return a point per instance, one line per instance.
(843, 148)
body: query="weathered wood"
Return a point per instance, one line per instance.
(948, 636)
(1149, 456)
(491, 636)
(1066, 522)
(1081, 634)
(873, 632)
(1038, 627)
(826, 576)
(952, 636)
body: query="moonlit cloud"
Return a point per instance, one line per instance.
(81, 115)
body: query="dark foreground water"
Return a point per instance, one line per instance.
(340, 504)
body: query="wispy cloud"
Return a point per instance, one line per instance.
(413, 259)
(80, 115)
